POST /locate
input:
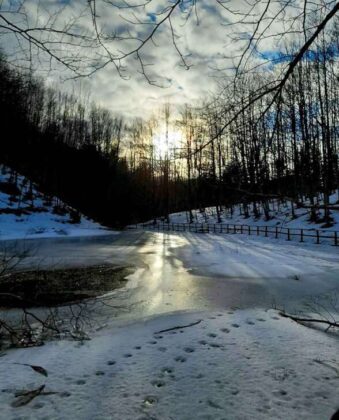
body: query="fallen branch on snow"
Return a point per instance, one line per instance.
(329, 324)
(179, 327)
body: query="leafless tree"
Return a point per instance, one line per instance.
(114, 32)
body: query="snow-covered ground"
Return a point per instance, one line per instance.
(281, 216)
(240, 364)
(47, 225)
(241, 361)
(30, 214)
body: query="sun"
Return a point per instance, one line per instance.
(166, 143)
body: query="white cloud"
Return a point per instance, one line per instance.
(204, 39)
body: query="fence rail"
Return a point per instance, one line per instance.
(319, 236)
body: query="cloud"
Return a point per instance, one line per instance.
(208, 36)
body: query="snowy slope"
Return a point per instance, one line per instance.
(240, 364)
(280, 216)
(27, 213)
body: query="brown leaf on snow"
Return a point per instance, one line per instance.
(38, 369)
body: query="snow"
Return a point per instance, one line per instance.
(257, 257)
(40, 220)
(280, 213)
(187, 271)
(240, 364)
(240, 359)
(47, 225)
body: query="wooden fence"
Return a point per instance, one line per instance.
(319, 236)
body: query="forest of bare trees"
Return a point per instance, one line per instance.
(268, 134)
(233, 149)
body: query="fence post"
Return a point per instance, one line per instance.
(258, 231)
(335, 239)
(288, 234)
(301, 235)
(266, 231)
(276, 232)
(234, 228)
(241, 228)
(227, 228)
(214, 229)
(318, 238)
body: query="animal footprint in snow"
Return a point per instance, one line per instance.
(249, 322)
(167, 370)
(80, 382)
(180, 359)
(280, 393)
(127, 355)
(225, 330)
(213, 404)
(188, 349)
(150, 400)
(65, 394)
(100, 373)
(111, 362)
(235, 325)
(212, 335)
(158, 384)
(215, 345)
(261, 319)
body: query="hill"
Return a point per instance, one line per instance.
(26, 212)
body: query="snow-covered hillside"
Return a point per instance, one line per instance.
(280, 215)
(27, 213)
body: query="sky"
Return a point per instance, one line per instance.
(185, 61)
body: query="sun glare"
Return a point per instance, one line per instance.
(164, 144)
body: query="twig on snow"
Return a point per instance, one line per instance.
(179, 327)
(329, 324)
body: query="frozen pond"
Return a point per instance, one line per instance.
(198, 272)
